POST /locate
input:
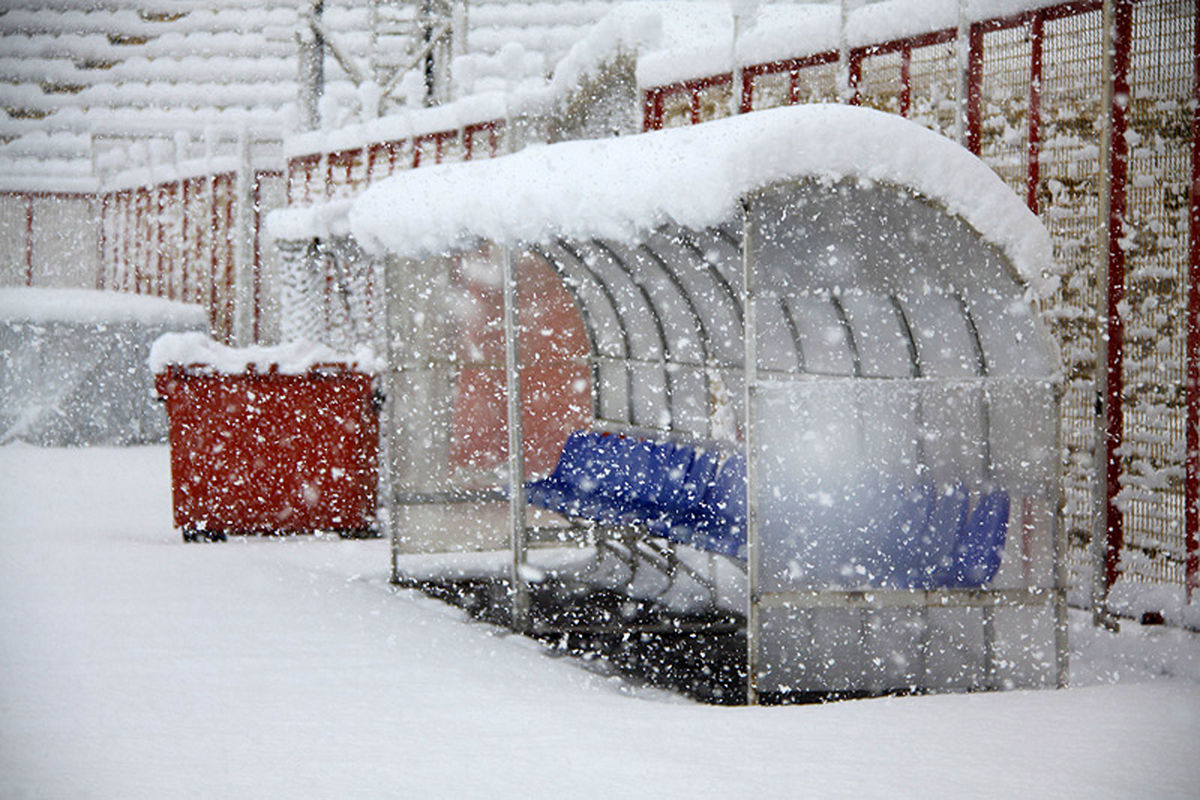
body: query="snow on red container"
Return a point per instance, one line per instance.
(268, 439)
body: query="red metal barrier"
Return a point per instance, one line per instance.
(271, 453)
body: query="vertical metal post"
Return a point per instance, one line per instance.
(243, 242)
(750, 381)
(1108, 530)
(29, 239)
(962, 81)
(988, 614)
(391, 430)
(518, 531)
(843, 62)
(312, 66)
(1058, 531)
(736, 81)
(102, 242)
(429, 63)
(974, 90)
(1192, 473)
(1034, 145)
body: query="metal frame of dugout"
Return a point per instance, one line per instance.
(865, 352)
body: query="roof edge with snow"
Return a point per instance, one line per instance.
(623, 188)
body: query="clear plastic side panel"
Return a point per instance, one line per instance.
(692, 261)
(850, 498)
(689, 409)
(905, 649)
(1013, 341)
(614, 390)
(884, 347)
(1023, 424)
(445, 344)
(824, 336)
(905, 485)
(946, 346)
(716, 264)
(652, 395)
(448, 403)
(777, 342)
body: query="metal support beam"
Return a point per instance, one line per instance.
(390, 447)
(312, 66)
(906, 598)
(1058, 531)
(243, 244)
(1108, 528)
(750, 381)
(1192, 472)
(518, 534)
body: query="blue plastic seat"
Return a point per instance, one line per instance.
(934, 551)
(977, 553)
(896, 560)
(717, 521)
(557, 489)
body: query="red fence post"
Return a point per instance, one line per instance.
(975, 88)
(214, 222)
(29, 240)
(1033, 175)
(854, 66)
(1192, 478)
(228, 310)
(102, 240)
(159, 266)
(185, 253)
(1118, 167)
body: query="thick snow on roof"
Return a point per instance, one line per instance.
(25, 304)
(294, 358)
(622, 188)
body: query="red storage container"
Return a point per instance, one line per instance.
(257, 452)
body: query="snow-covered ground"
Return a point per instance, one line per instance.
(132, 665)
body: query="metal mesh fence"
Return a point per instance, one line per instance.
(1004, 129)
(1068, 198)
(1039, 123)
(1156, 246)
(932, 78)
(880, 77)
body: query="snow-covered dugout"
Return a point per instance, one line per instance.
(829, 305)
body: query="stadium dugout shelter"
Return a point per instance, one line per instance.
(786, 364)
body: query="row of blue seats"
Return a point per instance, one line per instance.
(695, 495)
(934, 539)
(684, 492)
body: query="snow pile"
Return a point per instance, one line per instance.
(294, 358)
(622, 188)
(135, 665)
(24, 304)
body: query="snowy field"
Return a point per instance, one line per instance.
(132, 665)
